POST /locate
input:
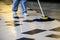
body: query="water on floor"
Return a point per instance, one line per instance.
(18, 29)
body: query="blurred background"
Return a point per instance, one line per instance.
(11, 29)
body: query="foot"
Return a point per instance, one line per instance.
(25, 14)
(15, 15)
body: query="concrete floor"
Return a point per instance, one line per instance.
(10, 30)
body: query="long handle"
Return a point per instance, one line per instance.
(40, 8)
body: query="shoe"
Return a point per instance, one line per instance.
(25, 14)
(15, 15)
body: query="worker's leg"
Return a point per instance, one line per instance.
(23, 6)
(15, 5)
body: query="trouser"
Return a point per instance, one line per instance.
(16, 4)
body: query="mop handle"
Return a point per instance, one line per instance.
(40, 8)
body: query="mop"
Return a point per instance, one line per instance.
(44, 18)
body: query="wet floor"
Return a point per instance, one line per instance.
(17, 29)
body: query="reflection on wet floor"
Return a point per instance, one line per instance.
(9, 23)
(53, 36)
(25, 39)
(56, 29)
(32, 32)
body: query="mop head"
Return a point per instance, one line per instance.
(44, 19)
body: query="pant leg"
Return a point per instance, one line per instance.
(23, 6)
(15, 5)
